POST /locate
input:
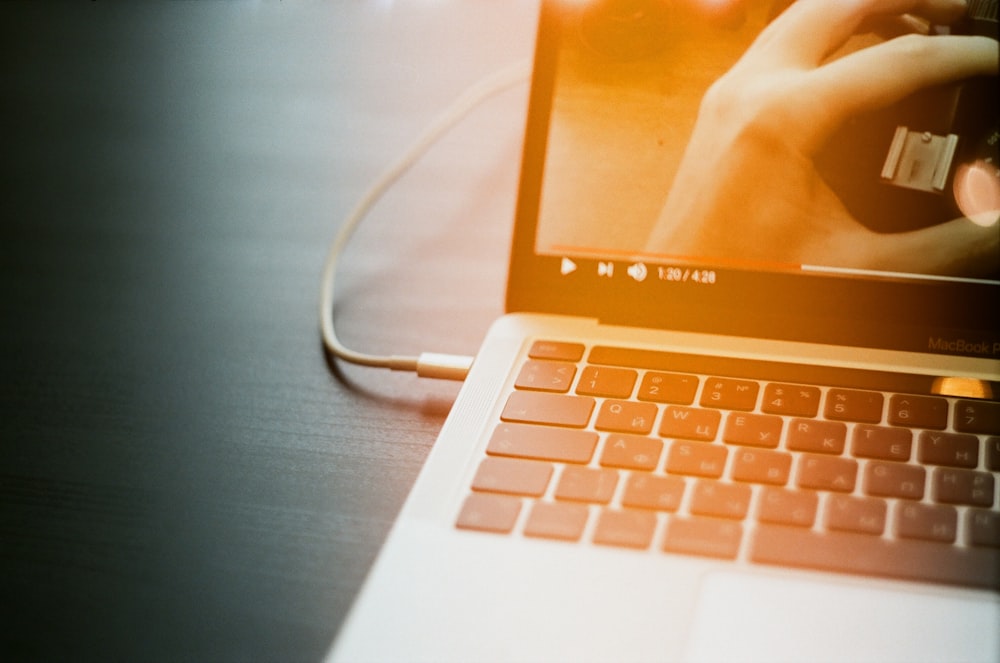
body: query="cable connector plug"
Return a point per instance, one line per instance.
(443, 366)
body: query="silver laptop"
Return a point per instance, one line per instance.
(743, 405)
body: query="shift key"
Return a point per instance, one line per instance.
(848, 552)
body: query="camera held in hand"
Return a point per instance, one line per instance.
(928, 159)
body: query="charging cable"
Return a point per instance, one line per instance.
(427, 364)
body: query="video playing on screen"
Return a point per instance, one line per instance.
(768, 134)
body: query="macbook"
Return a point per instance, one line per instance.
(743, 404)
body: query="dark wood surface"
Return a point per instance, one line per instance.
(183, 475)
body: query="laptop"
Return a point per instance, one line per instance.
(743, 404)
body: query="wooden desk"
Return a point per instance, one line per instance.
(183, 476)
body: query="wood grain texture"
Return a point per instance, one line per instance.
(183, 475)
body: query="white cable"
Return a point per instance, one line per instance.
(454, 367)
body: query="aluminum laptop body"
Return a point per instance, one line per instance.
(761, 451)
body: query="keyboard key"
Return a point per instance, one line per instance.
(827, 473)
(855, 514)
(539, 375)
(631, 452)
(993, 454)
(881, 442)
(854, 405)
(753, 430)
(586, 484)
(918, 411)
(690, 423)
(762, 466)
(725, 500)
(542, 443)
(713, 537)
(629, 528)
(895, 480)
(607, 382)
(826, 437)
(983, 527)
(544, 408)
(848, 552)
(556, 350)
(489, 513)
(509, 475)
(697, 459)
(952, 449)
(789, 399)
(626, 417)
(730, 394)
(978, 417)
(788, 507)
(668, 388)
(653, 492)
(962, 487)
(932, 522)
(557, 521)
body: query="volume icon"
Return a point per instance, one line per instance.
(637, 271)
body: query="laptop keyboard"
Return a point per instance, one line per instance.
(683, 454)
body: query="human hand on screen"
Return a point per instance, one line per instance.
(747, 187)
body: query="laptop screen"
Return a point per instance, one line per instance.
(749, 168)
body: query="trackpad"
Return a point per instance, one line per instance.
(747, 617)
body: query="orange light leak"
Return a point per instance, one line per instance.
(977, 192)
(707, 7)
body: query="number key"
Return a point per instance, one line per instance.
(918, 411)
(977, 417)
(668, 388)
(799, 401)
(853, 405)
(604, 381)
(730, 394)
